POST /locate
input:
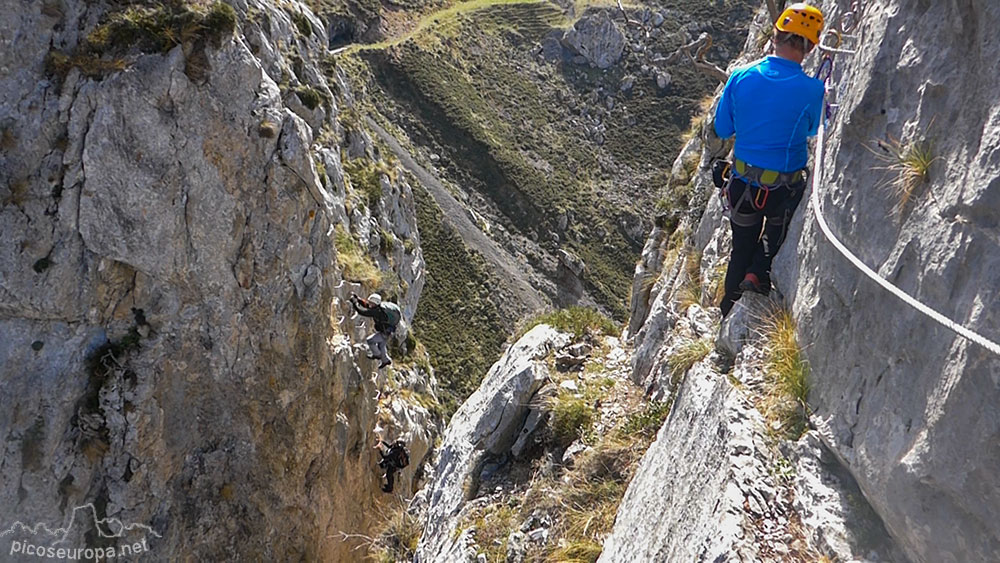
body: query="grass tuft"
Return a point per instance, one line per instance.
(687, 356)
(701, 118)
(588, 496)
(786, 377)
(646, 422)
(572, 417)
(162, 27)
(302, 23)
(908, 164)
(396, 536)
(492, 526)
(691, 293)
(267, 129)
(309, 96)
(680, 187)
(366, 176)
(717, 283)
(90, 66)
(149, 29)
(8, 139)
(386, 241)
(356, 264)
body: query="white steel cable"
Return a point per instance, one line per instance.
(846, 252)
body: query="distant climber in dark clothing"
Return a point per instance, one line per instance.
(772, 107)
(393, 457)
(386, 316)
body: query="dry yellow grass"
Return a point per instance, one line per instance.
(786, 377)
(686, 357)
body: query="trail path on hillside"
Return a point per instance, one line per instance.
(442, 16)
(457, 216)
(431, 19)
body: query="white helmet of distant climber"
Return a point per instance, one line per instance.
(375, 299)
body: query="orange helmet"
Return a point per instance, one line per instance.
(801, 19)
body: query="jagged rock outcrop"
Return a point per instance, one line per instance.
(597, 39)
(713, 486)
(177, 346)
(904, 403)
(487, 424)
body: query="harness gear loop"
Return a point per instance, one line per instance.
(759, 202)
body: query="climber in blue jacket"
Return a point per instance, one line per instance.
(772, 107)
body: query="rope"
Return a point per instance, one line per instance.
(853, 259)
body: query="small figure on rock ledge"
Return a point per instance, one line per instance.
(386, 316)
(392, 458)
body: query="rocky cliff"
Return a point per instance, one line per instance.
(895, 465)
(487, 425)
(189, 192)
(180, 241)
(904, 402)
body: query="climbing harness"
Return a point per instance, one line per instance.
(848, 22)
(762, 177)
(760, 183)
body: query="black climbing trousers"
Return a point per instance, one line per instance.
(390, 478)
(758, 232)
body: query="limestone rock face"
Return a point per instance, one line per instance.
(176, 344)
(597, 39)
(685, 502)
(712, 487)
(488, 423)
(906, 404)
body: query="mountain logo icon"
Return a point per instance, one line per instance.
(106, 527)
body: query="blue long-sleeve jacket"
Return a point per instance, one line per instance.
(772, 107)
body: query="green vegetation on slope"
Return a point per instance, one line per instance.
(514, 134)
(582, 500)
(149, 28)
(162, 26)
(456, 318)
(512, 138)
(786, 377)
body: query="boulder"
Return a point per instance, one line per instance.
(488, 422)
(596, 39)
(663, 79)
